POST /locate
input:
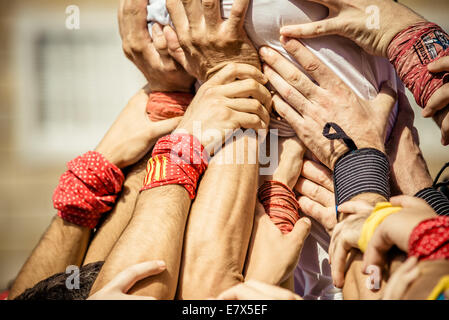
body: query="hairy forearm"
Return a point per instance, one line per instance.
(220, 224)
(155, 232)
(112, 228)
(63, 244)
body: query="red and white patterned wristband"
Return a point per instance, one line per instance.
(87, 189)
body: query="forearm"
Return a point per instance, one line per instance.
(155, 232)
(112, 228)
(220, 224)
(63, 244)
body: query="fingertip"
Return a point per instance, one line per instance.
(431, 66)
(161, 264)
(307, 221)
(426, 112)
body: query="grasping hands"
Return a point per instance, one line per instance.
(151, 54)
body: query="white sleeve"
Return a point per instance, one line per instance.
(157, 12)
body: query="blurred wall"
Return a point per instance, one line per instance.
(60, 89)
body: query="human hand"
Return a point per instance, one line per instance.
(438, 104)
(370, 26)
(256, 290)
(207, 42)
(133, 134)
(409, 173)
(222, 105)
(317, 198)
(345, 237)
(118, 287)
(151, 54)
(273, 255)
(291, 153)
(396, 229)
(312, 106)
(399, 282)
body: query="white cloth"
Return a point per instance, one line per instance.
(362, 72)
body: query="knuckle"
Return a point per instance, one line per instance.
(295, 78)
(312, 66)
(208, 4)
(232, 68)
(253, 85)
(288, 93)
(127, 49)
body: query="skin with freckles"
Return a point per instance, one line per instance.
(307, 107)
(207, 42)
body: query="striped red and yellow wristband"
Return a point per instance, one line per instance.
(176, 159)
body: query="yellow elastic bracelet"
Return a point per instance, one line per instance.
(380, 212)
(441, 287)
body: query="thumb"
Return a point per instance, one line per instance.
(312, 29)
(440, 65)
(164, 127)
(384, 103)
(300, 232)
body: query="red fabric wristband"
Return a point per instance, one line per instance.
(87, 189)
(280, 204)
(176, 159)
(430, 239)
(167, 105)
(412, 50)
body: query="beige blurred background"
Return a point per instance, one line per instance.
(60, 89)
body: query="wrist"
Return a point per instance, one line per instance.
(361, 171)
(405, 18)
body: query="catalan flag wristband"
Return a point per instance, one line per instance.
(176, 159)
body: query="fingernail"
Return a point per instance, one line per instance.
(157, 29)
(285, 30)
(307, 220)
(264, 51)
(425, 113)
(161, 263)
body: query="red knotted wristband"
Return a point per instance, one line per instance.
(412, 50)
(280, 204)
(87, 189)
(167, 105)
(176, 159)
(430, 239)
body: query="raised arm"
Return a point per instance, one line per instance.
(156, 230)
(65, 241)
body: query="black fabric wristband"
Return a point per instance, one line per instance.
(361, 171)
(436, 199)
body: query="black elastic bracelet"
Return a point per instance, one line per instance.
(436, 199)
(361, 171)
